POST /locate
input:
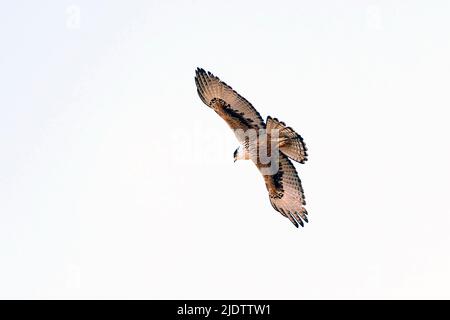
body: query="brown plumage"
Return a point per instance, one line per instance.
(290, 142)
(269, 145)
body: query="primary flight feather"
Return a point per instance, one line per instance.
(270, 145)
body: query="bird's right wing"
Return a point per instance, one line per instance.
(232, 107)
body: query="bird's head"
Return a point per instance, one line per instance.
(239, 154)
(235, 154)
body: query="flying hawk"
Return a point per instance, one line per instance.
(268, 144)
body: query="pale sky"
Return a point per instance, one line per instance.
(117, 182)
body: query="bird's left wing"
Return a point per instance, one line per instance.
(286, 191)
(230, 105)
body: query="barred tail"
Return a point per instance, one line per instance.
(290, 142)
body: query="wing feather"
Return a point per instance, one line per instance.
(230, 105)
(286, 192)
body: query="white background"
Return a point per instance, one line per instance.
(117, 182)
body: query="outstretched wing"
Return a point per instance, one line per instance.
(286, 192)
(227, 103)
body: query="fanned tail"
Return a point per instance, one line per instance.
(290, 142)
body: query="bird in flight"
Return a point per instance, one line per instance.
(270, 145)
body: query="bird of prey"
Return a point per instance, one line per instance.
(270, 145)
